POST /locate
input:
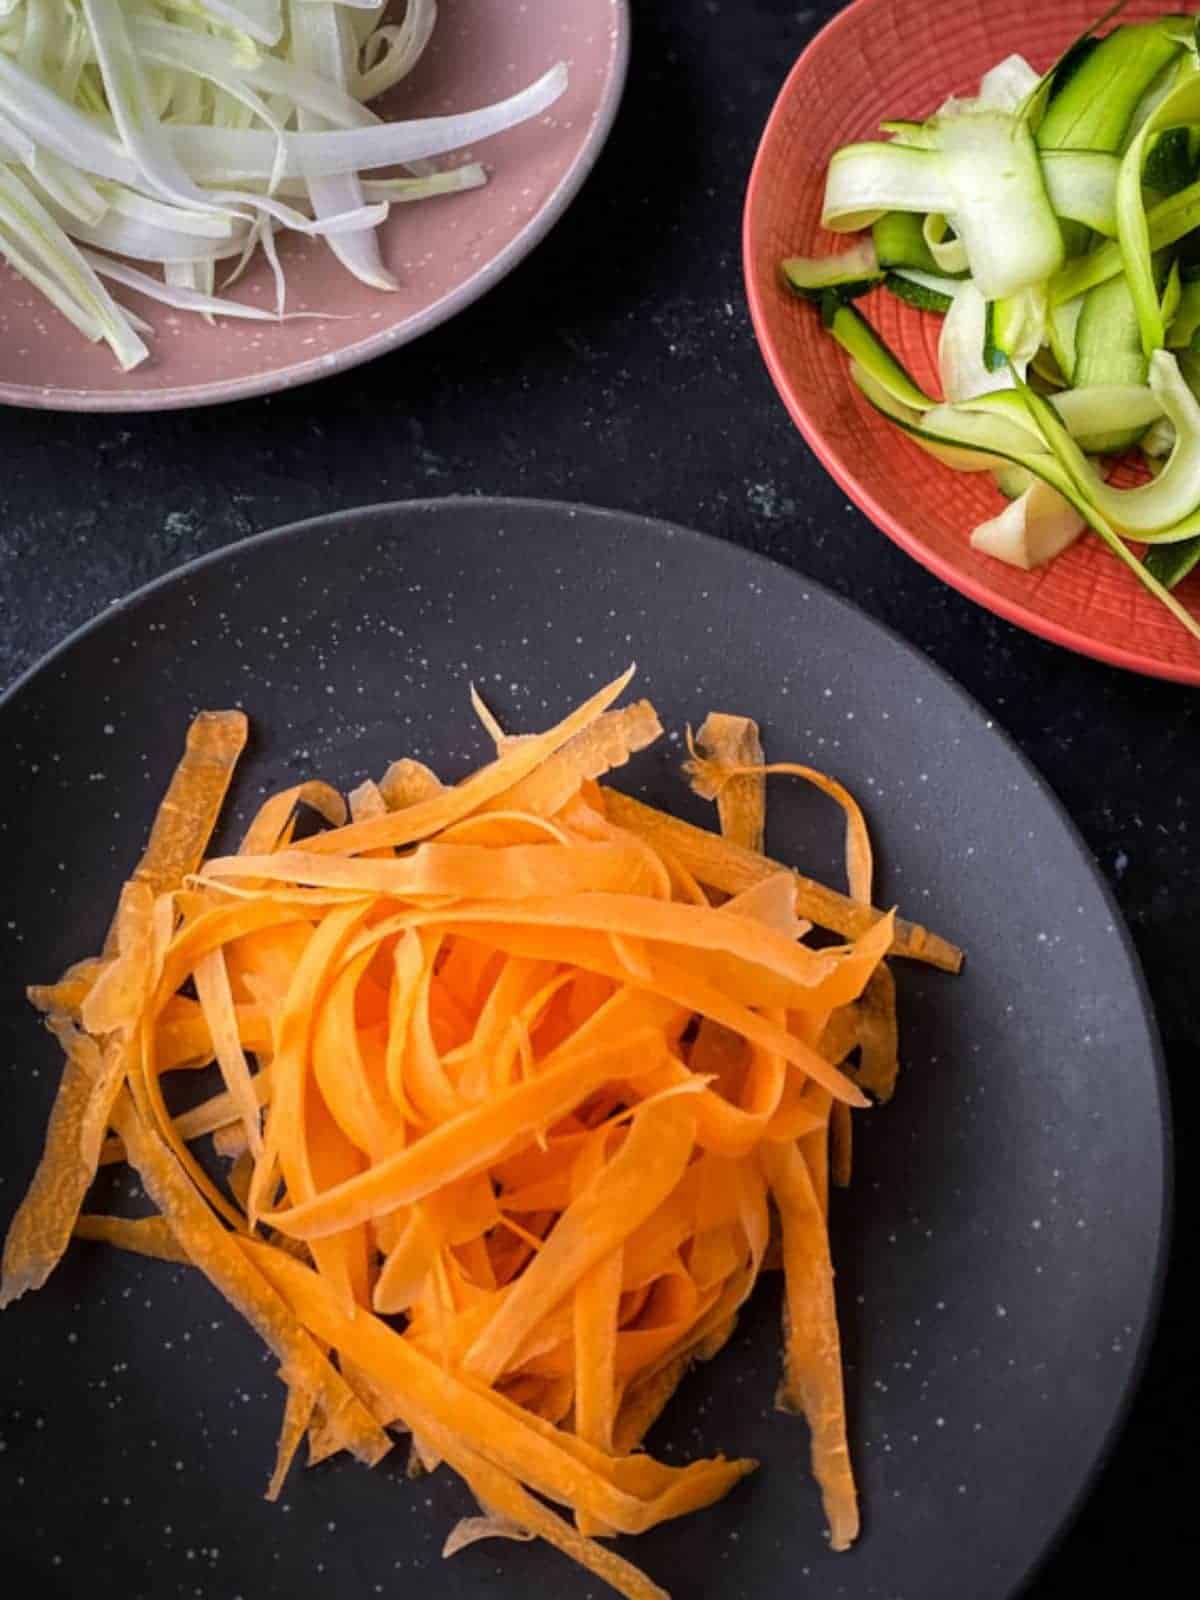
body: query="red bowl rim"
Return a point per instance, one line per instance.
(1012, 610)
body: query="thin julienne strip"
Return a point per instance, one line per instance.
(274, 815)
(178, 838)
(42, 1227)
(504, 1493)
(510, 1438)
(284, 1135)
(216, 1000)
(732, 750)
(693, 994)
(463, 1145)
(859, 860)
(217, 1254)
(813, 1380)
(597, 1298)
(721, 1126)
(608, 743)
(621, 1196)
(143, 1236)
(190, 808)
(426, 817)
(724, 866)
(461, 871)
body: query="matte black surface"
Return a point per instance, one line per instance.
(997, 1254)
(617, 366)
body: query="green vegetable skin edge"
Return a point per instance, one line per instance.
(1093, 108)
(900, 242)
(862, 344)
(1182, 105)
(1186, 322)
(1062, 323)
(1006, 321)
(1166, 223)
(852, 272)
(1108, 350)
(1169, 166)
(918, 295)
(1171, 563)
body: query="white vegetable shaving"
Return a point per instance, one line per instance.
(177, 136)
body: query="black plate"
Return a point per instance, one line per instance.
(1000, 1250)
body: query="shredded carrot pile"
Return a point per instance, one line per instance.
(523, 1084)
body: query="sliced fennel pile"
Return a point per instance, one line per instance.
(1054, 223)
(186, 135)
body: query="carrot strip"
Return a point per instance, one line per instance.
(463, 871)
(815, 1146)
(859, 858)
(41, 1229)
(366, 1118)
(221, 1110)
(407, 783)
(694, 929)
(275, 814)
(146, 1088)
(841, 1144)
(427, 817)
(610, 741)
(813, 1369)
(630, 1495)
(841, 1033)
(284, 1136)
(366, 801)
(713, 778)
(519, 984)
(470, 1530)
(216, 1001)
(726, 867)
(692, 994)
(621, 1196)
(183, 1039)
(595, 1356)
(426, 1085)
(772, 902)
(878, 1035)
(504, 1492)
(65, 998)
(406, 990)
(219, 1256)
(327, 1158)
(143, 1236)
(488, 719)
(115, 999)
(189, 810)
(731, 750)
(231, 1141)
(297, 1415)
(462, 1145)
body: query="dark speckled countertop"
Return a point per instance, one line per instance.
(617, 366)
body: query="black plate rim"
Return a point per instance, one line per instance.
(619, 523)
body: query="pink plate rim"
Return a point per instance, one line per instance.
(185, 396)
(1014, 611)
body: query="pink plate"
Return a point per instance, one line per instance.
(446, 251)
(882, 58)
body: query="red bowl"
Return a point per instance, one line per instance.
(882, 58)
